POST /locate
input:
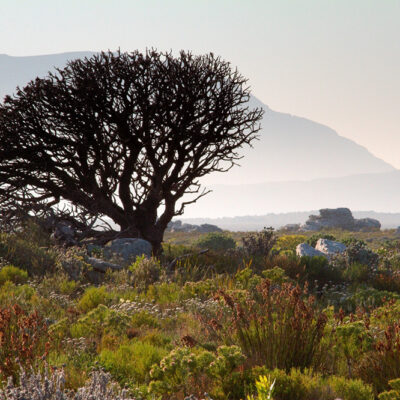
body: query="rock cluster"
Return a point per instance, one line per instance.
(339, 218)
(324, 247)
(178, 226)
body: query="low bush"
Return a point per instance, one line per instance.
(130, 363)
(259, 244)
(383, 362)
(279, 326)
(12, 274)
(308, 385)
(24, 340)
(216, 241)
(26, 255)
(145, 271)
(187, 371)
(94, 296)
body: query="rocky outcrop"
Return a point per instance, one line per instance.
(324, 247)
(178, 226)
(329, 247)
(341, 218)
(101, 265)
(127, 248)
(305, 250)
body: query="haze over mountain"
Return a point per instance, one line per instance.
(378, 192)
(290, 147)
(297, 164)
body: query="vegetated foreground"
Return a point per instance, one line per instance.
(246, 319)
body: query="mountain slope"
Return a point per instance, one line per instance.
(290, 148)
(18, 71)
(294, 148)
(379, 192)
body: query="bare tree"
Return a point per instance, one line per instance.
(124, 136)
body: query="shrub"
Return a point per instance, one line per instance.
(12, 274)
(93, 297)
(383, 362)
(48, 386)
(307, 385)
(131, 361)
(216, 241)
(289, 242)
(357, 252)
(391, 394)
(183, 370)
(279, 327)
(318, 269)
(24, 340)
(26, 255)
(145, 271)
(265, 389)
(99, 321)
(259, 243)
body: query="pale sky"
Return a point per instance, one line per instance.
(336, 62)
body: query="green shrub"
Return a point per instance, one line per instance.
(93, 297)
(308, 385)
(131, 361)
(145, 271)
(12, 274)
(279, 327)
(276, 275)
(265, 389)
(26, 255)
(216, 241)
(391, 394)
(357, 272)
(350, 389)
(259, 244)
(318, 269)
(183, 369)
(289, 242)
(246, 279)
(98, 321)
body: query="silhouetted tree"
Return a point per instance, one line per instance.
(123, 136)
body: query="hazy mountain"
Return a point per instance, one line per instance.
(294, 148)
(379, 192)
(290, 148)
(18, 71)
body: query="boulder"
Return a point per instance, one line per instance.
(341, 218)
(101, 265)
(367, 224)
(127, 248)
(305, 250)
(330, 247)
(291, 227)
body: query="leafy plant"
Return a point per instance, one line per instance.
(12, 274)
(93, 297)
(259, 243)
(265, 389)
(216, 241)
(24, 340)
(279, 327)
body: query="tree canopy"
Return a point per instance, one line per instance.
(124, 136)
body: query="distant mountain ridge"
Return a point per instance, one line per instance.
(290, 147)
(277, 220)
(379, 192)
